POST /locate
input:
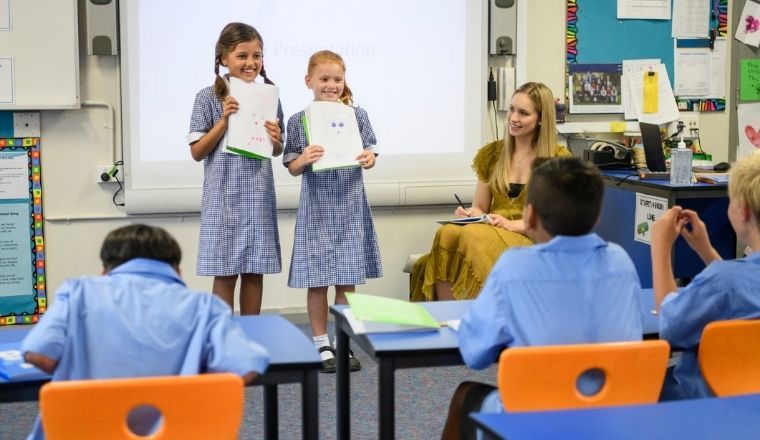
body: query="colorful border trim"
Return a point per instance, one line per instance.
(722, 18)
(37, 241)
(571, 32)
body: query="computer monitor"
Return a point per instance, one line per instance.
(650, 137)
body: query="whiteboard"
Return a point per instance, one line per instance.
(39, 54)
(421, 85)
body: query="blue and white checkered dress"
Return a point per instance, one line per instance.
(335, 242)
(238, 211)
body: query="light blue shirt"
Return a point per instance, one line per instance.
(723, 290)
(140, 320)
(570, 290)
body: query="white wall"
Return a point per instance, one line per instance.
(79, 212)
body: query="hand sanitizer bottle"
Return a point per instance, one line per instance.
(680, 164)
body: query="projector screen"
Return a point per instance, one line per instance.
(416, 67)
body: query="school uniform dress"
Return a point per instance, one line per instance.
(570, 290)
(335, 241)
(238, 210)
(140, 320)
(464, 255)
(723, 290)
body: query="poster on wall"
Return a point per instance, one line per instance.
(648, 210)
(22, 246)
(748, 119)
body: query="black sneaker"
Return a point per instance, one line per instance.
(328, 365)
(353, 363)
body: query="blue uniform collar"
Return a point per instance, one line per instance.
(148, 268)
(577, 243)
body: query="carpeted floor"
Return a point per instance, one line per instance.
(422, 397)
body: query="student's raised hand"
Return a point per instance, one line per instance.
(366, 159)
(229, 106)
(667, 228)
(312, 153)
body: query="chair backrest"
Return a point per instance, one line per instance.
(729, 357)
(546, 377)
(201, 406)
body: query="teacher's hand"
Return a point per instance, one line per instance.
(510, 225)
(463, 212)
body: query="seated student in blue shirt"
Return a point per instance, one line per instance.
(723, 290)
(138, 319)
(571, 287)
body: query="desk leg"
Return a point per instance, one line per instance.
(310, 401)
(342, 385)
(270, 412)
(387, 393)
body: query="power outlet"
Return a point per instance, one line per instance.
(105, 169)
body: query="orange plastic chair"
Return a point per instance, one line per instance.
(729, 356)
(545, 377)
(203, 406)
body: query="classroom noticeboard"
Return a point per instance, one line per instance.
(39, 54)
(22, 246)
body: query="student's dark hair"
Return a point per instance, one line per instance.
(232, 35)
(139, 241)
(566, 193)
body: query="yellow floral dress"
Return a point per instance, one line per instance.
(464, 255)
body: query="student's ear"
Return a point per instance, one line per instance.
(307, 81)
(530, 216)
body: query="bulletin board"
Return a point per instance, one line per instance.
(22, 246)
(594, 35)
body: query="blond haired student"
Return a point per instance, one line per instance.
(723, 290)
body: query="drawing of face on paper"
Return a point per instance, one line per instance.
(258, 133)
(748, 29)
(748, 116)
(337, 128)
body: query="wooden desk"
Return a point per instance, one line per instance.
(713, 418)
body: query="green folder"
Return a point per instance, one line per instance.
(390, 311)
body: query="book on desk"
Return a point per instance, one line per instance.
(376, 314)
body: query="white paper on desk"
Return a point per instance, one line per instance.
(333, 126)
(666, 102)
(691, 18)
(646, 9)
(748, 119)
(748, 29)
(692, 71)
(246, 134)
(365, 327)
(634, 67)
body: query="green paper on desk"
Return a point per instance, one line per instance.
(389, 310)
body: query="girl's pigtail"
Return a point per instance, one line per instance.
(220, 88)
(263, 74)
(346, 97)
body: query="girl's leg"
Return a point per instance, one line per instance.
(224, 288)
(444, 290)
(340, 298)
(340, 293)
(316, 305)
(251, 291)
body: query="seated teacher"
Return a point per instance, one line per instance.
(462, 256)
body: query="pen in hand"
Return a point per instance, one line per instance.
(465, 210)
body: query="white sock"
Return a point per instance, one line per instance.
(322, 341)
